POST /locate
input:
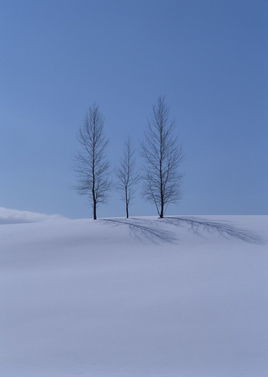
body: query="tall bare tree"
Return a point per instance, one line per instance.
(127, 176)
(163, 155)
(92, 165)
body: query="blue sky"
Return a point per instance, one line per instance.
(209, 58)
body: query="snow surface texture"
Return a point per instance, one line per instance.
(180, 297)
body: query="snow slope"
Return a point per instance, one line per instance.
(181, 297)
(12, 216)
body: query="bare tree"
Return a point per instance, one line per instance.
(162, 155)
(127, 176)
(92, 165)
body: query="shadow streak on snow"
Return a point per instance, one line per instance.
(145, 229)
(225, 229)
(153, 231)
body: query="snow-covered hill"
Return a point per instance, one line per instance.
(12, 216)
(180, 297)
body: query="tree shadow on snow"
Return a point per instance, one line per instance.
(153, 230)
(223, 228)
(145, 229)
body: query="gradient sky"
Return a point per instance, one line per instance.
(209, 58)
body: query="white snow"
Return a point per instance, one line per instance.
(139, 298)
(12, 216)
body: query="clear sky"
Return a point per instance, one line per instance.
(209, 58)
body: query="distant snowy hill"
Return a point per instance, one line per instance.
(180, 297)
(12, 216)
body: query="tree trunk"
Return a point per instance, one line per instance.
(162, 203)
(94, 210)
(126, 202)
(127, 213)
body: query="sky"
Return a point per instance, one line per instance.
(208, 58)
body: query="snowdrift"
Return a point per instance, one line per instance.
(179, 297)
(12, 216)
